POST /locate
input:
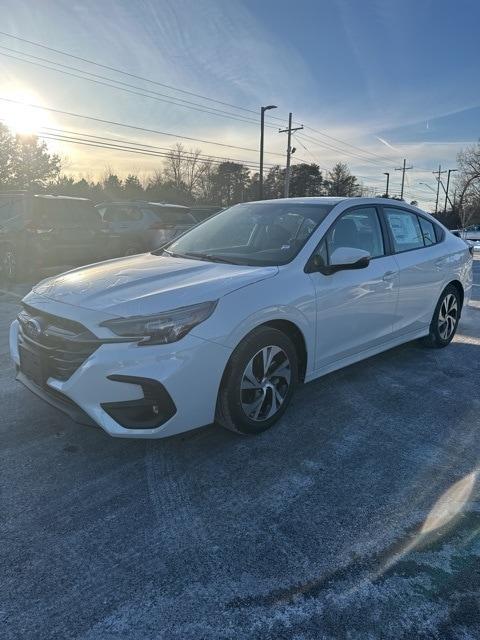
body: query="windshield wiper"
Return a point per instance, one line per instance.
(199, 256)
(209, 257)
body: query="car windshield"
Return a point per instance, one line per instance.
(258, 233)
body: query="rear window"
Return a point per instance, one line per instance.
(173, 216)
(66, 213)
(122, 214)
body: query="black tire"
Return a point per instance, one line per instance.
(232, 400)
(443, 331)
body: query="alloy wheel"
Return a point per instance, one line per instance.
(265, 383)
(447, 317)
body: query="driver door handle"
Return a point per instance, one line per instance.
(388, 275)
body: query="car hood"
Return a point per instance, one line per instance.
(147, 283)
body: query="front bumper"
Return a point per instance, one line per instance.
(190, 371)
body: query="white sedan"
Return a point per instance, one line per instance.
(226, 321)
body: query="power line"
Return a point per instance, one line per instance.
(131, 126)
(125, 148)
(210, 111)
(348, 144)
(126, 73)
(72, 136)
(159, 97)
(168, 150)
(344, 152)
(308, 151)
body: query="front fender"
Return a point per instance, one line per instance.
(285, 297)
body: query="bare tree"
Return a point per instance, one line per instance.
(183, 167)
(468, 184)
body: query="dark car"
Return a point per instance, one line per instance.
(144, 226)
(202, 212)
(38, 231)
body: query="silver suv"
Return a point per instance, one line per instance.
(144, 226)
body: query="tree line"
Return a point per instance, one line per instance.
(184, 177)
(187, 177)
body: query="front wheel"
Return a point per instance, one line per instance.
(259, 382)
(445, 318)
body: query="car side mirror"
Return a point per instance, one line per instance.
(457, 233)
(342, 259)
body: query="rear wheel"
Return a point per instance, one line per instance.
(259, 382)
(445, 318)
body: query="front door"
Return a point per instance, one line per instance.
(355, 307)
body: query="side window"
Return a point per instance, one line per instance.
(359, 229)
(405, 229)
(109, 214)
(428, 232)
(129, 214)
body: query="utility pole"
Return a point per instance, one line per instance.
(447, 199)
(403, 169)
(289, 151)
(438, 174)
(385, 173)
(262, 135)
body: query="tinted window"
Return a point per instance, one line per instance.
(405, 228)
(65, 213)
(359, 229)
(172, 216)
(428, 231)
(123, 214)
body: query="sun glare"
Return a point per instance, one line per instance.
(23, 119)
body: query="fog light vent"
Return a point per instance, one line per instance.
(149, 412)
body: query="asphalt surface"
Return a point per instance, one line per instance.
(358, 516)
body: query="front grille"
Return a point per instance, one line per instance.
(61, 345)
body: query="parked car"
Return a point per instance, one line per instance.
(201, 213)
(144, 226)
(39, 231)
(225, 322)
(471, 232)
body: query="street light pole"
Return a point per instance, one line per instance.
(262, 135)
(446, 190)
(385, 173)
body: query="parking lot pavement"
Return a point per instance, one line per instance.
(358, 516)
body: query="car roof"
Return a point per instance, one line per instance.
(141, 203)
(50, 197)
(329, 200)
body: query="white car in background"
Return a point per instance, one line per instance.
(226, 321)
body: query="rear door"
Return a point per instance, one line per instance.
(73, 229)
(422, 267)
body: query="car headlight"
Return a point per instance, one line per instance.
(161, 328)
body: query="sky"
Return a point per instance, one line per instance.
(372, 81)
